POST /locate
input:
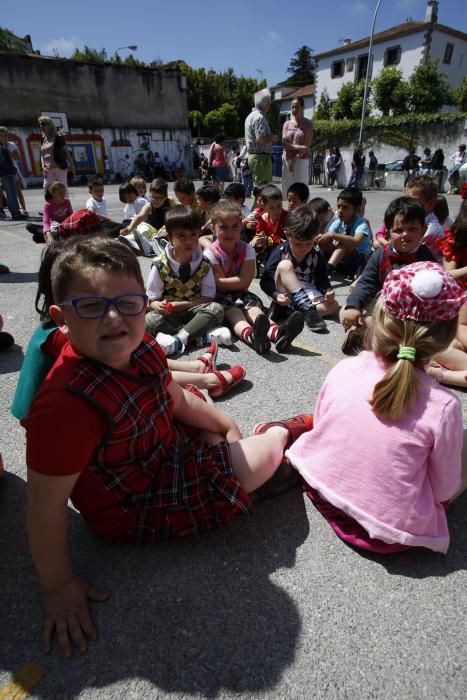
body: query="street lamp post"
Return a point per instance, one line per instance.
(368, 71)
(120, 48)
(258, 70)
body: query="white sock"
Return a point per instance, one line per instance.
(183, 337)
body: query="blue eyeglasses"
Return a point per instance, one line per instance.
(97, 307)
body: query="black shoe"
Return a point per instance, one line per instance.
(278, 313)
(314, 321)
(6, 341)
(289, 330)
(259, 335)
(38, 238)
(19, 217)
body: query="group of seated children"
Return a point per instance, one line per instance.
(153, 460)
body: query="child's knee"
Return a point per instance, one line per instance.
(216, 311)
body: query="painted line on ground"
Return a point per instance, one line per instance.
(24, 680)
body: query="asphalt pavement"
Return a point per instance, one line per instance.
(272, 606)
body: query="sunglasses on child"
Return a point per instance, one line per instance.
(97, 307)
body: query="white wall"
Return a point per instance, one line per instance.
(456, 70)
(286, 106)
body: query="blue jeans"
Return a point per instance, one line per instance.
(247, 183)
(9, 185)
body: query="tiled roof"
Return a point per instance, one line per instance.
(302, 91)
(410, 27)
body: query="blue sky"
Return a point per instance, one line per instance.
(257, 39)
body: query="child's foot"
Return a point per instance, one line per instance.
(170, 344)
(288, 330)
(258, 337)
(221, 334)
(208, 359)
(227, 380)
(6, 341)
(295, 426)
(314, 321)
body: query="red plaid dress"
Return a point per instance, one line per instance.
(162, 480)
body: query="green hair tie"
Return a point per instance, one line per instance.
(406, 353)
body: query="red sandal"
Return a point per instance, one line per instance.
(295, 426)
(209, 365)
(237, 372)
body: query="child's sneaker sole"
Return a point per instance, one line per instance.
(288, 331)
(259, 335)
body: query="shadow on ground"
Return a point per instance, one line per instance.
(191, 617)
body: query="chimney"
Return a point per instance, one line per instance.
(431, 14)
(347, 42)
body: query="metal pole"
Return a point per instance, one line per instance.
(368, 70)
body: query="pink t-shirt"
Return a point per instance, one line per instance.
(391, 477)
(218, 158)
(296, 133)
(55, 212)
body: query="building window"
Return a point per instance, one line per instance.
(337, 69)
(349, 65)
(392, 56)
(448, 53)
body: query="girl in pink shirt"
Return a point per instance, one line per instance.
(386, 455)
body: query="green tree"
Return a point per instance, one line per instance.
(10, 41)
(222, 120)
(301, 67)
(460, 96)
(196, 121)
(349, 101)
(324, 108)
(428, 90)
(390, 92)
(88, 54)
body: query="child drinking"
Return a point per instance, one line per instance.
(233, 264)
(57, 208)
(384, 484)
(295, 275)
(149, 461)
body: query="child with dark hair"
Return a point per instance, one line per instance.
(425, 190)
(295, 275)
(441, 211)
(149, 461)
(324, 212)
(235, 192)
(128, 195)
(57, 208)
(297, 194)
(270, 227)
(97, 205)
(155, 210)
(347, 243)
(405, 220)
(207, 197)
(184, 190)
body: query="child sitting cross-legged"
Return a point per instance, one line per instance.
(347, 242)
(181, 287)
(401, 453)
(405, 220)
(234, 267)
(295, 275)
(97, 205)
(155, 210)
(270, 226)
(128, 195)
(149, 461)
(57, 208)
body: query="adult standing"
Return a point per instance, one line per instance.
(8, 176)
(358, 165)
(217, 158)
(297, 136)
(55, 156)
(457, 159)
(258, 139)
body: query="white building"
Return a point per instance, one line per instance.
(404, 46)
(283, 96)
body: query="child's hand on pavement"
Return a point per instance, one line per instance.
(352, 317)
(67, 614)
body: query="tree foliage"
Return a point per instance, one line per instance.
(88, 54)
(301, 67)
(428, 90)
(324, 108)
(460, 96)
(223, 120)
(390, 92)
(349, 101)
(10, 41)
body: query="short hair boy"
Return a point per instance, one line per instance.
(405, 221)
(425, 190)
(295, 276)
(270, 226)
(181, 287)
(98, 206)
(347, 242)
(184, 189)
(298, 193)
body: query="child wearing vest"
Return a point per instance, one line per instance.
(181, 287)
(405, 221)
(149, 461)
(295, 275)
(387, 452)
(234, 266)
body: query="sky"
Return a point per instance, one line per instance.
(257, 38)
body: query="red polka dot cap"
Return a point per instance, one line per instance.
(423, 291)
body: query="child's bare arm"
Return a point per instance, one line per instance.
(137, 220)
(191, 410)
(237, 283)
(65, 594)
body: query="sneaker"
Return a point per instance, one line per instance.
(19, 217)
(221, 334)
(314, 321)
(170, 344)
(2, 214)
(295, 426)
(6, 341)
(4, 269)
(289, 330)
(259, 335)
(38, 238)
(353, 341)
(143, 244)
